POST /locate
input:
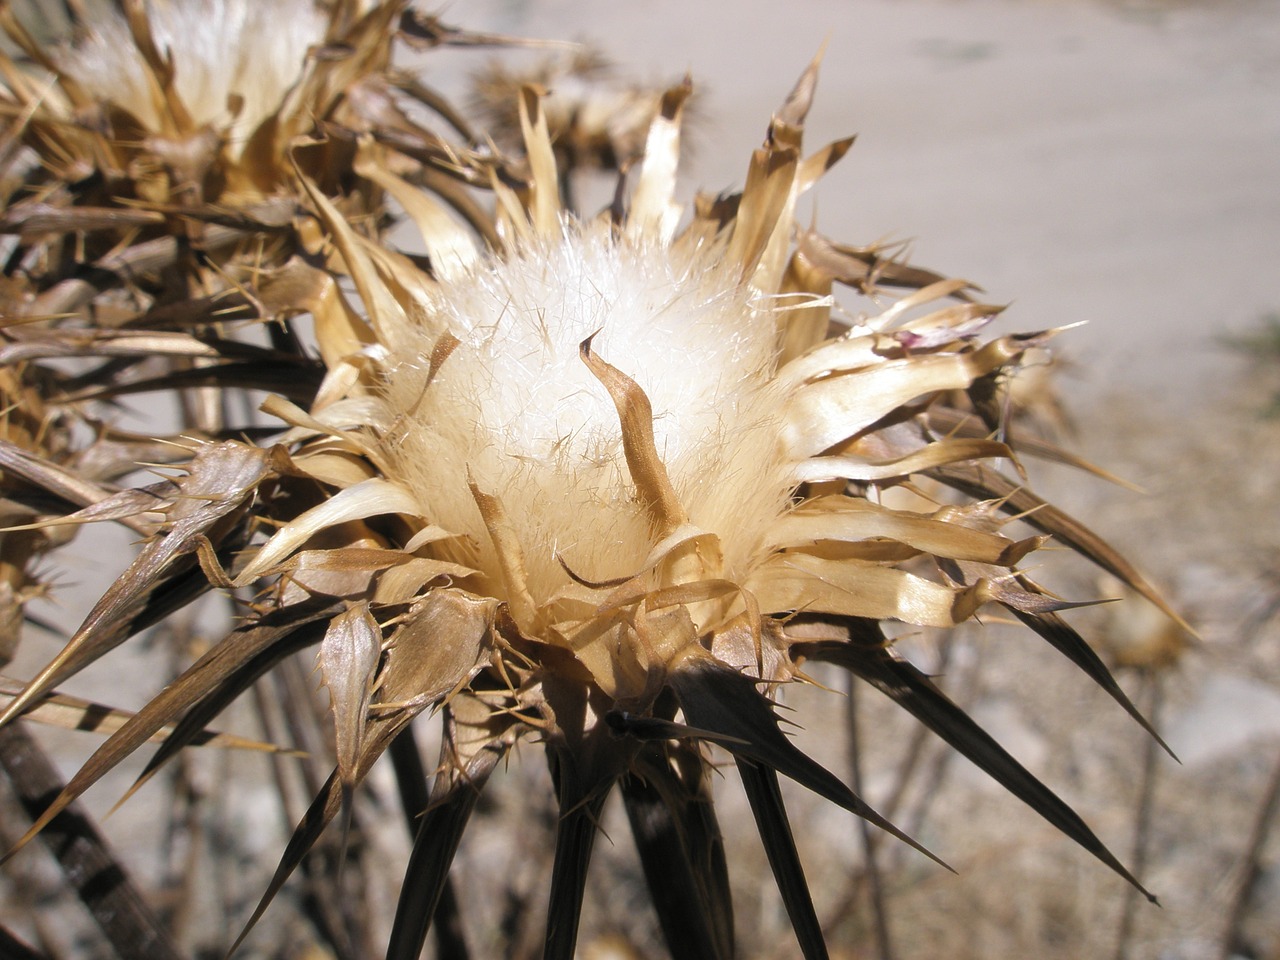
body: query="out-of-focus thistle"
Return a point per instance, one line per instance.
(197, 101)
(604, 485)
(148, 173)
(596, 120)
(148, 179)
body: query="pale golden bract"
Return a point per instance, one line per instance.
(604, 484)
(646, 444)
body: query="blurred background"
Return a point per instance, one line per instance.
(1113, 167)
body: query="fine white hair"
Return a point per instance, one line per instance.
(221, 49)
(515, 409)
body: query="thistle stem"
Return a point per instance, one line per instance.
(98, 878)
(1154, 691)
(411, 780)
(575, 839)
(875, 885)
(1252, 867)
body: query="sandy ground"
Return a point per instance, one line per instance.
(1117, 163)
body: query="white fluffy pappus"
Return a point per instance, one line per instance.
(220, 49)
(515, 409)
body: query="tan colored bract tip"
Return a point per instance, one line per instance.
(604, 484)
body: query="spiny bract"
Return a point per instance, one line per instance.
(604, 483)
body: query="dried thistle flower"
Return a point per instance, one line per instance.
(233, 64)
(1135, 634)
(148, 172)
(595, 119)
(209, 100)
(606, 487)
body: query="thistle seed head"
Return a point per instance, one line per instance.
(515, 409)
(233, 61)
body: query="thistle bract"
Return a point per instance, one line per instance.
(608, 484)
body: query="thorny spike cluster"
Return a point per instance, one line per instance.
(603, 484)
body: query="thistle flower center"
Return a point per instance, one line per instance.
(516, 410)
